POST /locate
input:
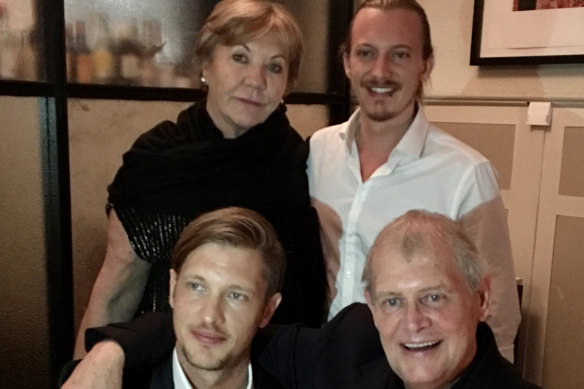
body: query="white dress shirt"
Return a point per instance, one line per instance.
(182, 382)
(428, 169)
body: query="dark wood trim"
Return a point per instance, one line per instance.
(57, 201)
(337, 82)
(25, 88)
(315, 98)
(95, 91)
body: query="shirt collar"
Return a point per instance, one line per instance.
(178, 375)
(347, 133)
(412, 143)
(182, 382)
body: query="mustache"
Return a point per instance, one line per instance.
(210, 327)
(376, 83)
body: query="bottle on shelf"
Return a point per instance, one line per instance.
(152, 41)
(127, 53)
(26, 59)
(84, 62)
(3, 30)
(9, 46)
(70, 53)
(102, 56)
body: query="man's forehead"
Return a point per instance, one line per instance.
(394, 272)
(376, 23)
(393, 252)
(223, 258)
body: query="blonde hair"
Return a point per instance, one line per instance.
(235, 22)
(240, 228)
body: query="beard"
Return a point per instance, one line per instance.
(210, 365)
(378, 116)
(385, 109)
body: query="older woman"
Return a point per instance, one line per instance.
(233, 148)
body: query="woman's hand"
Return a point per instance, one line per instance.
(119, 286)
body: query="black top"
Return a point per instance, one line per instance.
(176, 171)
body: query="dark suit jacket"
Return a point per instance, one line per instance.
(345, 354)
(161, 377)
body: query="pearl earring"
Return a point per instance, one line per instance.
(203, 81)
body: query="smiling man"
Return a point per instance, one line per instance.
(227, 272)
(387, 159)
(423, 327)
(427, 291)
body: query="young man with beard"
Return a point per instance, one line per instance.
(227, 272)
(387, 159)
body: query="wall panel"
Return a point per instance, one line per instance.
(24, 334)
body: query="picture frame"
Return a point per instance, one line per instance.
(504, 36)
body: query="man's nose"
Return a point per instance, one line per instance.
(382, 67)
(212, 309)
(415, 317)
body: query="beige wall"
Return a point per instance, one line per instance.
(24, 337)
(564, 343)
(451, 24)
(553, 262)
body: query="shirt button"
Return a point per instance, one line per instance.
(348, 274)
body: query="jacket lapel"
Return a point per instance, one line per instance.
(162, 374)
(264, 380)
(378, 374)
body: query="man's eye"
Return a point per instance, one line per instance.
(434, 299)
(195, 285)
(391, 304)
(365, 53)
(236, 296)
(401, 55)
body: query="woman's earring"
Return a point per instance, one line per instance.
(203, 81)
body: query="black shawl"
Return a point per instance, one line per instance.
(174, 172)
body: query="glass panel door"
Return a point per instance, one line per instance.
(20, 41)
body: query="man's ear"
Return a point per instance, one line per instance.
(270, 308)
(173, 277)
(368, 298)
(485, 298)
(428, 67)
(371, 304)
(347, 64)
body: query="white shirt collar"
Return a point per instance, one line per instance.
(182, 382)
(412, 143)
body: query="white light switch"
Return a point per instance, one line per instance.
(539, 113)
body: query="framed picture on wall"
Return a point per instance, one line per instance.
(507, 32)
